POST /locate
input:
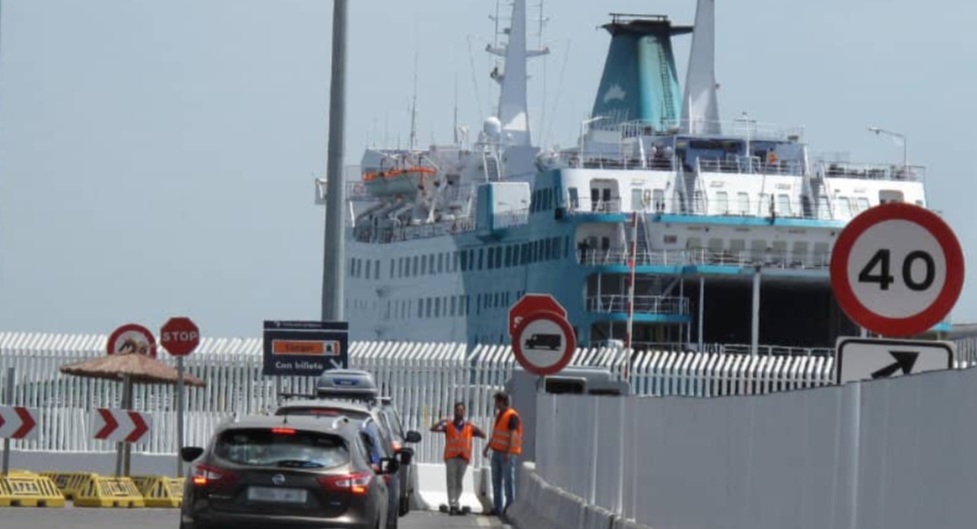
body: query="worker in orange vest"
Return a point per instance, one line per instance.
(458, 435)
(506, 444)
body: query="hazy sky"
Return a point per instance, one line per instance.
(157, 157)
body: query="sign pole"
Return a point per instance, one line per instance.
(179, 416)
(10, 401)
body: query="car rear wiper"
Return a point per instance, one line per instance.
(298, 463)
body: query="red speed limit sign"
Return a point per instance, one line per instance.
(179, 336)
(897, 269)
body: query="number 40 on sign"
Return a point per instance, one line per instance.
(897, 269)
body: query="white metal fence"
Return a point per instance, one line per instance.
(424, 380)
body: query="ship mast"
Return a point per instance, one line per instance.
(513, 110)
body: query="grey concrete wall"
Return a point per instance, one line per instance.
(99, 462)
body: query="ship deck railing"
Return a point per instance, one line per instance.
(371, 234)
(702, 256)
(870, 171)
(750, 165)
(724, 348)
(618, 303)
(746, 129)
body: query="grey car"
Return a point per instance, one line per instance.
(285, 472)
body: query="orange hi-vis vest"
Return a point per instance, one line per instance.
(458, 443)
(501, 432)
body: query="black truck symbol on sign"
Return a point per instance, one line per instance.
(538, 341)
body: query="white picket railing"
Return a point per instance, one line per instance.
(424, 379)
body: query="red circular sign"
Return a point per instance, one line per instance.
(897, 269)
(179, 336)
(544, 343)
(131, 338)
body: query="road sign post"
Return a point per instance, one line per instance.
(897, 269)
(180, 336)
(875, 359)
(9, 399)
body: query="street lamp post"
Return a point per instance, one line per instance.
(905, 145)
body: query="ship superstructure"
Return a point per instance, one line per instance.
(724, 229)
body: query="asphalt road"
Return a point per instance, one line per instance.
(94, 518)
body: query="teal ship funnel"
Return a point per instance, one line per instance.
(640, 81)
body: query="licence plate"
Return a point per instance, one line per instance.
(277, 495)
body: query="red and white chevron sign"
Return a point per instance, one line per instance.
(121, 426)
(17, 422)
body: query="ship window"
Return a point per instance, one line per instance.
(693, 243)
(722, 203)
(440, 263)
(467, 304)
(491, 257)
(454, 305)
(758, 249)
(430, 263)
(658, 196)
(636, 202)
(456, 262)
(822, 254)
(368, 265)
(844, 205)
(862, 204)
(799, 253)
(376, 268)
(737, 247)
(574, 198)
(420, 308)
(744, 202)
(428, 307)
(437, 307)
(783, 205)
(464, 261)
(498, 257)
(508, 256)
(391, 269)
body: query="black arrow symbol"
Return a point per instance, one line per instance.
(905, 360)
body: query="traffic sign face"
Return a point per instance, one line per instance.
(304, 348)
(530, 303)
(179, 336)
(897, 269)
(132, 338)
(18, 423)
(874, 359)
(121, 426)
(544, 343)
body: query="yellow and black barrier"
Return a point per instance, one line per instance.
(160, 491)
(27, 489)
(100, 491)
(70, 483)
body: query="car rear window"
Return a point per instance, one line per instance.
(281, 447)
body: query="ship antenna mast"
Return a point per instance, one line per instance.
(413, 109)
(455, 127)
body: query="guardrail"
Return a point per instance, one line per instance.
(745, 258)
(608, 303)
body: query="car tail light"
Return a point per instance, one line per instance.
(358, 483)
(206, 475)
(283, 431)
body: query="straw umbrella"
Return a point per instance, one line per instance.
(131, 367)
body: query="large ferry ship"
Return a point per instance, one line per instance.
(724, 229)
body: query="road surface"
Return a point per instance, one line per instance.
(95, 518)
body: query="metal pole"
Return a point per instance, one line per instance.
(633, 255)
(756, 312)
(334, 251)
(9, 399)
(702, 301)
(179, 416)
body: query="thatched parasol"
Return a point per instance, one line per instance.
(140, 368)
(130, 367)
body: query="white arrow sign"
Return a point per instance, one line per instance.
(874, 359)
(121, 426)
(17, 422)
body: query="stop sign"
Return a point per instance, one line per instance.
(180, 336)
(531, 303)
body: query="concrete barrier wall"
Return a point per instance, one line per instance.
(887, 454)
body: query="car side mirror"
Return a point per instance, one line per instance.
(389, 465)
(413, 437)
(191, 453)
(406, 456)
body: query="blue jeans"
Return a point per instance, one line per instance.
(503, 474)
